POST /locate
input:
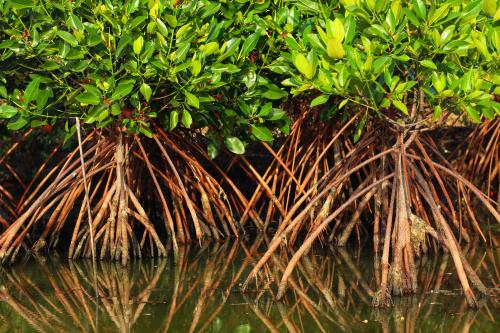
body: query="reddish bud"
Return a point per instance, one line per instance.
(47, 128)
(253, 56)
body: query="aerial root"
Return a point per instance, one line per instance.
(126, 187)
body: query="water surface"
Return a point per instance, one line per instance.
(330, 292)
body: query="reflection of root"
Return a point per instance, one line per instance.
(382, 299)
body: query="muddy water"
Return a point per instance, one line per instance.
(330, 292)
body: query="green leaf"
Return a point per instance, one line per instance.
(262, 133)
(122, 90)
(187, 120)
(234, 145)
(447, 34)
(467, 81)
(473, 115)
(124, 41)
(209, 48)
(321, 99)
(225, 68)
(266, 109)
(350, 29)
(88, 98)
(146, 91)
(162, 28)
(146, 131)
(7, 111)
(228, 48)
(400, 106)
(292, 43)
(490, 7)
(437, 112)
(67, 37)
(138, 44)
(439, 13)
(274, 94)
(419, 8)
(250, 43)
(336, 30)
(304, 66)
(192, 99)
(15, 125)
(213, 150)
(429, 64)
(174, 120)
(32, 90)
(75, 22)
(438, 83)
(343, 103)
(92, 89)
(334, 48)
(195, 67)
(359, 128)
(246, 328)
(116, 110)
(21, 4)
(171, 20)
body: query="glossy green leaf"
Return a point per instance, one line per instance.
(250, 43)
(138, 44)
(7, 111)
(17, 124)
(146, 91)
(122, 90)
(400, 106)
(31, 91)
(75, 22)
(88, 98)
(428, 63)
(162, 28)
(67, 37)
(21, 4)
(234, 145)
(420, 8)
(321, 99)
(187, 120)
(262, 133)
(304, 66)
(192, 99)
(490, 7)
(335, 49)
(173, 120)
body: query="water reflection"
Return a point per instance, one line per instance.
(330, 291)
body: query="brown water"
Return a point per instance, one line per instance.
(330, 292)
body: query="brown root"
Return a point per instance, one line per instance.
(126, 186)
(317, 200)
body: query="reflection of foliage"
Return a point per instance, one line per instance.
(329, 292)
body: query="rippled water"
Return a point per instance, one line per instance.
(330, 292)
